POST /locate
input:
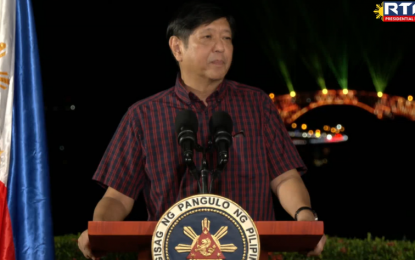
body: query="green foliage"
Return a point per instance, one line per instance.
(358, 249)
(66, 248)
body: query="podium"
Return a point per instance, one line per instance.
(136, 236)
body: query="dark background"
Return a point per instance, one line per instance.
(102, 56)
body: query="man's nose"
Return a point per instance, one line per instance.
(219, 46)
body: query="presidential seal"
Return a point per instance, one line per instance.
(205, 226)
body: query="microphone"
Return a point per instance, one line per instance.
(186, 126)
(220, 126)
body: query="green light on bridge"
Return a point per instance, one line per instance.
(284, 71)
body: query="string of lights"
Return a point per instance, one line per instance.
(302, 135)
(294, 105)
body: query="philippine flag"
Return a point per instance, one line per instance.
(25, 217)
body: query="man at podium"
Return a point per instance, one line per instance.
(144, 156)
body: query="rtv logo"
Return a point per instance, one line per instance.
(396, 11)
(398, 8)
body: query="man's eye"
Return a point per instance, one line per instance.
(228, 38)
(208, 36)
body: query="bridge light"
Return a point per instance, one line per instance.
(333, 130)
(304, 126)
(329, 137)
(339, 126)
(292, 93)
(310, 132)
(345, 91)
(342, 129)
(318, 133)
(325, 91)
(326, 128)
(410, 98)
(271, 95)
(380, 94)
(294, 125)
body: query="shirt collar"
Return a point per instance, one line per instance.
(187, 96)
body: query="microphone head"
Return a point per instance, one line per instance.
(220, 120)
(187, 119)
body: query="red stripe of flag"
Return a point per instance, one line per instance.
(6, 234)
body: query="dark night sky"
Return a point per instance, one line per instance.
(103, 56)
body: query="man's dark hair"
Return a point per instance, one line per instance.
(195, 14)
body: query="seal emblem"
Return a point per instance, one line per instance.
(205, 226)
(205, 244)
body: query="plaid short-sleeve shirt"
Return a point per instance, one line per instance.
(144, 157)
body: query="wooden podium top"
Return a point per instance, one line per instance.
(275, 236)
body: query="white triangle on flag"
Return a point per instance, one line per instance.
(7, 52)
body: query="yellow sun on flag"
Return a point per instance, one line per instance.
(4, 81)
(379, 11)
(2, 49)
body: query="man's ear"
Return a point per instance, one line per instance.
(176, 47)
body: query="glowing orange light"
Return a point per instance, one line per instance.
(326, 128)
(333, 130)
(271, 95)
(304, 126)
(310, 132)
(410, 98)
(294, 125)
(342, 129)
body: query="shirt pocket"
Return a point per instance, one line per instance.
(247, 158)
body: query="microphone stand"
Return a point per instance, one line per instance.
(223, 160)
(188, 159)
(204, 172)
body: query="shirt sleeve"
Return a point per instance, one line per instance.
(122, 166)
(281, 151)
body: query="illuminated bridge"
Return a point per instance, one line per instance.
(382, 105)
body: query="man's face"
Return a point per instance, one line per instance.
(209, 51)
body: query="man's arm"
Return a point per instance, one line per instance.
(292, 194)
(114, 206)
